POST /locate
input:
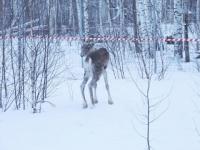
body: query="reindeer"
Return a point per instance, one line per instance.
(95, 64)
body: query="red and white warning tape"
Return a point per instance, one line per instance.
(107, 38)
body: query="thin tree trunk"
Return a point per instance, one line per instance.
(178, 46)
(186, 43)
(135, 26)
(198, 11)
(80, 16)
(3, 86)
(86, 18)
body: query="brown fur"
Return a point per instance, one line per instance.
(99, 61)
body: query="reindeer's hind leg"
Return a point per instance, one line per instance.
(92, 88)
(84, 82)
(95, 94)
(107, 87)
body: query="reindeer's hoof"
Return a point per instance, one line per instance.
(95, 101)
(85, 106)
(110, 102)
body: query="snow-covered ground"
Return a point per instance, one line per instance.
(109, 127)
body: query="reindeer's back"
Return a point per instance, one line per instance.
(100, 58)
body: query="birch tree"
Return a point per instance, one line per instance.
(135, 26)
(3, 82)
(178, 31)
(86, 17)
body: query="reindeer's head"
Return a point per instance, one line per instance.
(86, 49)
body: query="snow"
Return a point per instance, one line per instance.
(107, 127)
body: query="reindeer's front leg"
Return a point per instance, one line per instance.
(91, 89)
(107, 87)
(85, 80)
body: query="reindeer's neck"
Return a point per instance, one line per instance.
(91, 50)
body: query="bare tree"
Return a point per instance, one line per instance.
(3, 83)
(178, 23)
